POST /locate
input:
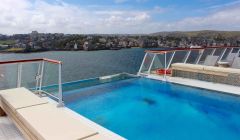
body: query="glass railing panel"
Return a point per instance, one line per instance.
(8, 76)
(147, 62)
(180, 57)
(29, 73)
(160, 65)
(219, 51)
(50, 77)
(205, 54)
(193, 57)
(227, 52)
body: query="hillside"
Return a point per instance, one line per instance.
(204, 33)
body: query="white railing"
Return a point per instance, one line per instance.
(39, 76)
(159, 61)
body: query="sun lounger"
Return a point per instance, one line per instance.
(236, 63)
(211, 60)
(229, 76)
(230, 58)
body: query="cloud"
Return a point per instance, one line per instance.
(59, 16)
(226, 19)
(237, 2)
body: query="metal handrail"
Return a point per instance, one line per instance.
(31, 60)
(39, 77)
(188, 49)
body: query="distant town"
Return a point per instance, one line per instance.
(36, 42)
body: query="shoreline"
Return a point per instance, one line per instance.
(21, 52)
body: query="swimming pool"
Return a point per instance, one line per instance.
(145, 109)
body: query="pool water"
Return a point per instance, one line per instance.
(144, 109)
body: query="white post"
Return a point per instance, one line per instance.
(171, 60)
(38, 76)
(150, 67)
(214, 50)
(187, 56)
(41, 78)
(222, 54)
(229, 52)
(200, 56)
(60, 96)
(165, 66)
(142, 64)
(19, 80)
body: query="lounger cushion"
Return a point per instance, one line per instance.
(20, 98)
(205, 69)
(216, 70)
(187, 67)
(51, 123)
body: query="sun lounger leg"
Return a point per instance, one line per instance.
(2, 113)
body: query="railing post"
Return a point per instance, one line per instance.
(140, 69)
(150, 67)
(165, 66)
(19, 79)
(214, 50)
(224, 51)
(38, 77)
(200, 56)
(187, 56)
(41, 78)
(60, 96)
(171, 60)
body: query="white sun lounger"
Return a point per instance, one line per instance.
(236, 63)
(211, 60)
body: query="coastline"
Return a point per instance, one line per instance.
(40, 51)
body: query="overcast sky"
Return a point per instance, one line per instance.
(117, 16)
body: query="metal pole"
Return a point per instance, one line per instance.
(222, 54)
(19, 80)
(199, 57)
(150, 67)
(171, 60)
(229, 53)
(165, 66)
(38, 76)
(60, 96)
(214, 50)
(187, 56)
(41, 78)
(142, 64)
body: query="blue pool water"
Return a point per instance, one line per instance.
(144, 109)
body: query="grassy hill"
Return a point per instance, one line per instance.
(7, 42)
(204, 33)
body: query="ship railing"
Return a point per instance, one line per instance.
(159, 61)
(30, 73)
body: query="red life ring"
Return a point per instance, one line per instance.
(163, 71)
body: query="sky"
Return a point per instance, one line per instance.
(117, 16)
